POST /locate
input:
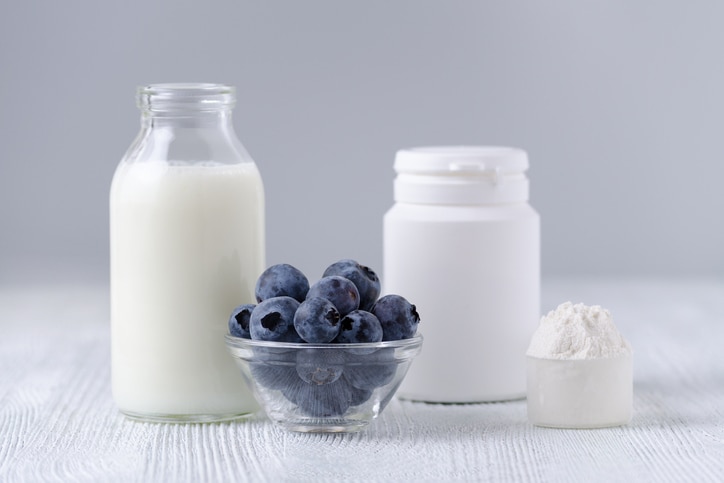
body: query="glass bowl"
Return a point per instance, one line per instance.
(326, 388)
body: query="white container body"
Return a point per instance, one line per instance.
(187, 244)
(586, 393)
(473, 273)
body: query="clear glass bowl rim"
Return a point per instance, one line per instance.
(240, 342)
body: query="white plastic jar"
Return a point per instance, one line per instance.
(462, 243)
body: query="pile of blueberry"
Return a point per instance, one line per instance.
(342, 307)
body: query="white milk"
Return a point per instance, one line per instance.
(185, 250)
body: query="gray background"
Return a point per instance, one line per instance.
(618, 103)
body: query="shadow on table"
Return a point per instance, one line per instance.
(400, 442)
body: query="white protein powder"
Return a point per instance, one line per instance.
(577, 332)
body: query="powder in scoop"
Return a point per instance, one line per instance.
(577, 332)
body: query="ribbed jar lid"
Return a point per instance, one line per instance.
(475, 160)
(465, 175)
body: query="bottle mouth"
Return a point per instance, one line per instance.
(185, 96)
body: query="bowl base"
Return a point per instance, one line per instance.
(324, 425)
(184, 418)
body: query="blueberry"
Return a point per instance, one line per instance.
(338, 290)
(273, 319)
(358, 396)
(359, 326)
(239, 321)
(281, 280)
(317, 320)
(274, 367)
(398, 317)
(329, 400)
(373, 370)
(319, 366)
(293, 388)
(364, 278)
(273, 377)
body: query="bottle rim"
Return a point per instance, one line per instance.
(181, 96)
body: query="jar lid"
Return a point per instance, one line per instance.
(462, 175)
(475, 160)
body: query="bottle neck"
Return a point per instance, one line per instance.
(193, 105)
(188, 123)
(219, 119)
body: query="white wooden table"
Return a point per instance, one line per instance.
(58, 421)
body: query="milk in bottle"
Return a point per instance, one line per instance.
(187, 244)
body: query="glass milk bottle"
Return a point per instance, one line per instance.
(187, 244)
(463, 244)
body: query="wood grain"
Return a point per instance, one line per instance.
(58, 421)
